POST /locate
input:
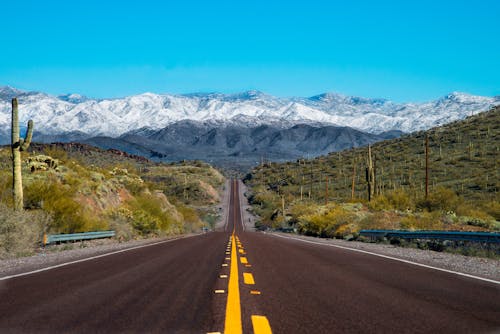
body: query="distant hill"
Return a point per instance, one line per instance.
(464, 156)
(237, 145)
(464, 179)
(73, 187)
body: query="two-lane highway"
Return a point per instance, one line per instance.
(162, 288)
(238, 281)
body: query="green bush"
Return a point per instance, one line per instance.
(424, 221)
(392, 200)
(145, 223)
(492, 208)
(148, 216)
(327, 222)
(191, 219)
(442, 199)
(68, 216)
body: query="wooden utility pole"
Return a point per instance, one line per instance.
(185, 187)
(311, 185)
(326, 190)
(302, 187)
(375, 174)
(353, 176)
(283, 205)
(426, 166)
(370, 174)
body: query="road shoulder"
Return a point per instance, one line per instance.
(481, 267)
(56, 255)
(247, 217)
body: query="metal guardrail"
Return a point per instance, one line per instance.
(55, 238)
(439, 235)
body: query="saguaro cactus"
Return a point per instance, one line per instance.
(370, 174)
(18, 145)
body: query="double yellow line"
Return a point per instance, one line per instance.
(233, 307)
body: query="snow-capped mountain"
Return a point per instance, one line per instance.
(115, 117)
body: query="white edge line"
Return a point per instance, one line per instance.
(93, 257)
(391, 258)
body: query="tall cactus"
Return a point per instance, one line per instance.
(370, 174)
(18, 145)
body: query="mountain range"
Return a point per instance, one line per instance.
(230, 126)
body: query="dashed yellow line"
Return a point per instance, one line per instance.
(261, 325)
(243, 260)
(248, 278)
(233, 308)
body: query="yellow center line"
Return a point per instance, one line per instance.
(261, 325)
(243, 260)
(233, 307)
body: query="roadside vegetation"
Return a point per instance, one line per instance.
(72, 188)
(328, 196)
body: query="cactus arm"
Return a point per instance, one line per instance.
(27, 139)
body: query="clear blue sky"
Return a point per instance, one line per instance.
(401, 50)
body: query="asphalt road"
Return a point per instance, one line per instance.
(234, 280)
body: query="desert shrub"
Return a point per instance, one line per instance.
(192, 221)
(326, 222)
(56, 153)
(134, 185)
(119, 220)
(145, 223)
(392, 200)
(400, 200)
(302, 208)
(20, 232)
(149, 217)
(380, 221)
(6, 188)
(492, 208)
(440, 199)
(380, 203)
(68, 216)
(423, 221)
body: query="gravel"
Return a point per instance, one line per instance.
(481, 267)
